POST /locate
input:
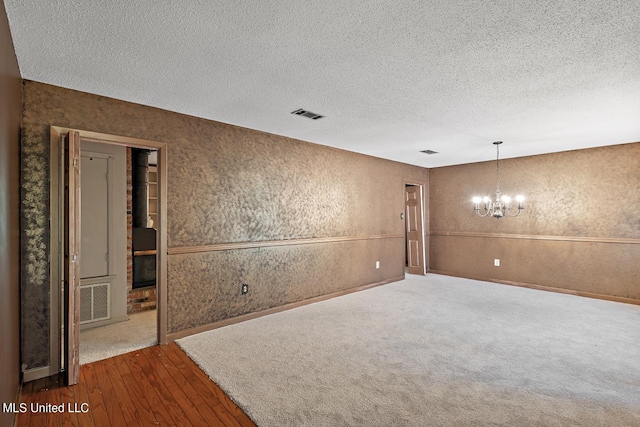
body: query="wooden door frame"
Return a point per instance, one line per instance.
(425, 215)
(57, 227)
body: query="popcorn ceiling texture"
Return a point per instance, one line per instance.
(446, 75)
(225, 184)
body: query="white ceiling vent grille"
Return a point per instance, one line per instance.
(429, 152)
(307, 113)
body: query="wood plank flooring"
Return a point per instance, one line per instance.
(158, 385)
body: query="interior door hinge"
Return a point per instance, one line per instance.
(75, 162)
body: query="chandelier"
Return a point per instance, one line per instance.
(501, 206)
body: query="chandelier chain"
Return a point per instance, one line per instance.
(497, 167)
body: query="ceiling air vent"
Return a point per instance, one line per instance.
(429, 152)
(306, 113)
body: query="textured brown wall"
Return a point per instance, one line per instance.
(572, 195)
(228, 184)
(10, 114)
(276, 276)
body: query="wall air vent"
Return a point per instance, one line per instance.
(306, 113)
(429, 152)
(95, 302)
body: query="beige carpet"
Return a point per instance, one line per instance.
(433, 351)
(119, 338)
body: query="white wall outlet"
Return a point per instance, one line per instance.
(496, 262)
(377, 264)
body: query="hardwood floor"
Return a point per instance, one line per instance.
(158, 385)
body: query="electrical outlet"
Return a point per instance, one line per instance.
(377, 264)
(496, 262)
(245, 289)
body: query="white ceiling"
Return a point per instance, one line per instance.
(392, 77)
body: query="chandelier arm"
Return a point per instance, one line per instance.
(486, 209)
(482, 215)
(520, 209)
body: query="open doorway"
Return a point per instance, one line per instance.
(104, 221)
(415, 259)
(118, 249)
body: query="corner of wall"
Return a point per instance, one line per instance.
(11, 108)
(567, 246)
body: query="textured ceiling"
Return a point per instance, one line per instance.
(392, 77)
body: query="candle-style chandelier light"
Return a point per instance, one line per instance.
(501, 206)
